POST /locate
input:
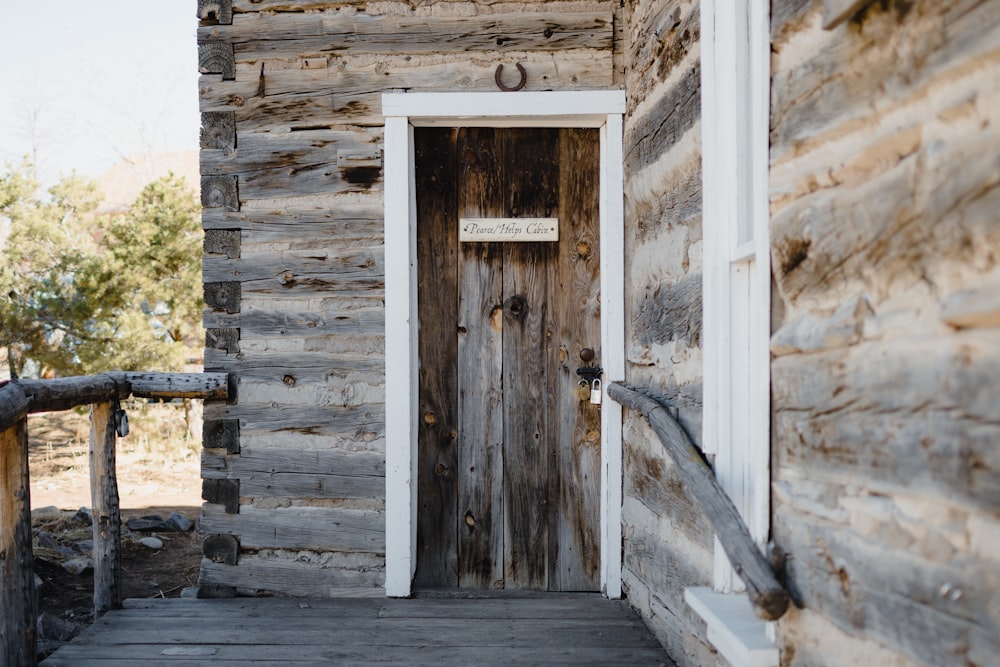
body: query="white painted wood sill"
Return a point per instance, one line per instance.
(733, 628)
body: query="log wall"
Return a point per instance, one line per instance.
(667, 539)
(291, 164)
(885, 188)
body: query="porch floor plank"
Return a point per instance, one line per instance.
(580, 629)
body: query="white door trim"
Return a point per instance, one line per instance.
(403, 111)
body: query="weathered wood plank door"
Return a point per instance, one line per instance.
(509, 443)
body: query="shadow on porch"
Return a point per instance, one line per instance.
(583, 629)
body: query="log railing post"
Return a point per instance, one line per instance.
(106, 509)
(18, 607)
(768, 597)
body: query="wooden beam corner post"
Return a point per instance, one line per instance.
(107, 513)
(17, 575)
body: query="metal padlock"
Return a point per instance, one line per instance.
(595, 393)
(582, 390)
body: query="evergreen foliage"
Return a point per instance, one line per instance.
(83, 292)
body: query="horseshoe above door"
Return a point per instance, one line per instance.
(498, 77)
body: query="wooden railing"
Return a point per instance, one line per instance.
(103, 394)
(766, 593)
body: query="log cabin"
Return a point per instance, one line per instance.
(445, 240)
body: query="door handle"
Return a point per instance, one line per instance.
(589, 372)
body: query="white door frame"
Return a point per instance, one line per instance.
(403, 111)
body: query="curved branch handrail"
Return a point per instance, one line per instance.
(18, 399)
(769, 599)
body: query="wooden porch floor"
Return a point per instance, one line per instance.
(582, 629)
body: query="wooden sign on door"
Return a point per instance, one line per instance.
(508, 229)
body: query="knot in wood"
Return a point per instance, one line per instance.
(516, 307)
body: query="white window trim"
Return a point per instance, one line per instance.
(735, 340)
(403, 111)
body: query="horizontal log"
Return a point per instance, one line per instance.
(769, 599)
(67, 393)
(948, 38)
(316, 323)
(308, 284)
(290, 266)
(209, 386)
(299, 98)
(290, 473)
(670, 312)
(665, 123)
(320, 528)
(363, 423)
(257, 37)
(294, 368)
(287, 225)
(294, 578)
(865, 587)
(296, 163)
(917, 413)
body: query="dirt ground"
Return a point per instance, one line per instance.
(158, 473)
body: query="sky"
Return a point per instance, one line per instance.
(87, 82)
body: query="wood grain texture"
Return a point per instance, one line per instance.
(216, 57)
(215, 11)
(220, 192)
(437, 310)
(670, 312)
(665, 122)
(888, 412)
(530, 171)
(294, 633)
(256, 37)
(316, 528)
(293, 164)
(218, 131)
(295, 579)
(222, 242)
(348, 91)
(342, 225)
(659, 36)
(221, 434)
(107, 522)
(480, 369)
(574, 290)
(548, 532)
(224, 492)
(334, 318)
(221, 548)
(17, 578)
(291, 266)
(865, 587)
(298, 473)
(361, 423)
(224, 295)
(944, 37)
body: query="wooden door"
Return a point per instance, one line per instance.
(509, 447)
